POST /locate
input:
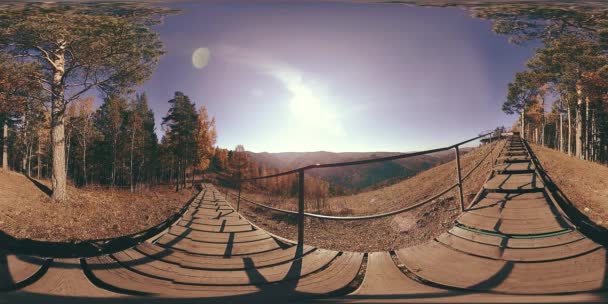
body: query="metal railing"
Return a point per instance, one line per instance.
(301, 186)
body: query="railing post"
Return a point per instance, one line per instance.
(461, 197)
(238, 200)
(301, 207)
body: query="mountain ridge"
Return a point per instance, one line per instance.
(355, 177)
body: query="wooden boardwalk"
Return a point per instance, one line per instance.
(512, 244)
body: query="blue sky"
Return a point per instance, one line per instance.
(332, 76)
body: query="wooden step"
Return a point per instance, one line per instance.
(219, 263)
(510, 168)
(513, 159)
(154, 268)
(214, 228)
(215, 249)
(383, 278)
(530, 254)
(218, 237)
(513, 226)
(524, 182)
(438, 263)
(66, 278)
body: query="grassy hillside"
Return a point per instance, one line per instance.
(26, 212)
(389, 233)
(584, 183)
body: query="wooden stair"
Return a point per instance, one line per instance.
(512, 245)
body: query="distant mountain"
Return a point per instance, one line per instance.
(356, 177)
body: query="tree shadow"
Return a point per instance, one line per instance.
(41, 186)
(584, 224)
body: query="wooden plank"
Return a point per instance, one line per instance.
(581, 273)
(213, 228)
(514, 153)
(437, 263)
(66, 278)
(512, 200)
(115, 277)
(474, 248)
(215, 237)
(513, 159)
(562, 251)
(112, 273)
(512, 226)
(216, 222)
(382, 277)
(338, 275)
(15, 269)
(478, 237)
(515, 196)
(515, 182)
(496, 211)
(219, 263)
(532, 254)
(514, 167)
(523, 243)
(548, 241)
(228, 249)
(222, 213)
(292, 270)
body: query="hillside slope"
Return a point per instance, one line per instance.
(409, 228)
(584, 183)
(26, 211)
(358, 177)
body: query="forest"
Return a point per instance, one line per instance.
(70, 109)
(561, 98)
(56, 61)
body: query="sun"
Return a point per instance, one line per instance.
(311, 110)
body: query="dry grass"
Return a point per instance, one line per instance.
(583, 182)
(409, 228)
(27, 212)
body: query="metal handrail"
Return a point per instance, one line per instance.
(361, 217)
(367, 161)
(374, 216)
(300, 171)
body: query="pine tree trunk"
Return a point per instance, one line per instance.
(29, 159)
(592, 140)
(5, 144)
(59, 174)
(177, 173)
(569, 132)
(185, 176)
(555, 137)
(67, 148)
(84, 156)
(561, 132)
(39, 162)
(131, 162)
(579, 123)
(542, 122)
(523, 123)
(587, 124)
(193, 174)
